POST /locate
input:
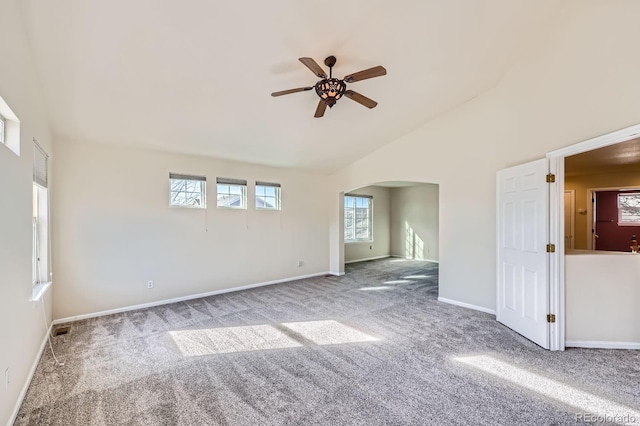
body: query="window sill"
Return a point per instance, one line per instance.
(359, 242)
(178, 206)
(39, 290)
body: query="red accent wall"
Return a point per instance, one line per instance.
(611, 236)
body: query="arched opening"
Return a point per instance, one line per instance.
(389, 231)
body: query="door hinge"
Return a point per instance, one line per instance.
(551, 178)
(551, 248)
(551, 318)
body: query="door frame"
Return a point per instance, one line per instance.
(572, 192)
(556, 223)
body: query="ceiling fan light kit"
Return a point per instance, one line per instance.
(331, 89)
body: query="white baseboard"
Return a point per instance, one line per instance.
(410, 258)
(337, 274)
(27, 382)
(182, 298)
(368, 258)
(597, 344)
(467, 305)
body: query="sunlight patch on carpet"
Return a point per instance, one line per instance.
(328, 332)
(382, 287)
(583, 401)
(212, 341)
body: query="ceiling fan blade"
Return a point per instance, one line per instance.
(363, 100)
(322, 106)
(286, 92)
(363, 75)
(314, 67)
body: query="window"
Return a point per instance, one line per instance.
(232, 193)
(2, 127)
(9, 128)
(40, 216)
(629, 209)
(358, 218)
(267, 196)
(187, 191)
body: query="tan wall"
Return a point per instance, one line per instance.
(23, 327)
(582, 184)
(414, 222)
(381, 220)
(564, 89)
(116, 229)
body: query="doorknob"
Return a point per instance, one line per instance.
(596, 235)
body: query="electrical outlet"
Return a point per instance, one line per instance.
(6, 379)
(149, 284)
(370, 247)
(299, 262)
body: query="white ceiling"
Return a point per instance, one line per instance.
(196, 76)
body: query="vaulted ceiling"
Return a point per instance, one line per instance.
(196, 76)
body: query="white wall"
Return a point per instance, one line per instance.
(23, 329)
(381, 221)
(414, 222)
(602, 293)
(116, 230)
(576, 81)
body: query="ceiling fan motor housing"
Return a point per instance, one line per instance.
(330, 90)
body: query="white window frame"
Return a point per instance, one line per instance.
(228, 182)
(9, 128)
(40, 255)
(276, 199)
(622, 222)
(41, 235)
(188, 178)
(369, 237)
(3, 129)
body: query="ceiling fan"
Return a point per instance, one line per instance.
(330, 89)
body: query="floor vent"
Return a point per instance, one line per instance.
(61, 330)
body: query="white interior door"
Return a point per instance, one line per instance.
(522, 260)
